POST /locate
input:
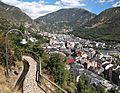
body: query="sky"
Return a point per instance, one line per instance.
(37, 8)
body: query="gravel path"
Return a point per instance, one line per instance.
(29, 84)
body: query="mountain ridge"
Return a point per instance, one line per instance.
(17, 17)
(68, 18)
(79, 22)
(105, 26)
(13, 13)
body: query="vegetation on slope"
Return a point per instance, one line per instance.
(105, 26)
(64, 20)
(83, 86)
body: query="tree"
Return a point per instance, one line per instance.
(101, 89)
(22, 28)
(83, 86)
(62, 76)
(45, 59)
(2, 50)
(57, 67)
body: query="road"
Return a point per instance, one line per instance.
(30, 85)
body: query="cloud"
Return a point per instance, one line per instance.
(35, 9)
(117, 4)
(14, 2)
(104, 1)
(70, 3)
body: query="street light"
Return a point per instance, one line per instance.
(23, 41)
(6, 46)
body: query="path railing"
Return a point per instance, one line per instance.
(39, 72)
(54, 84)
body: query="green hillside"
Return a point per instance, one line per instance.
(105, 26)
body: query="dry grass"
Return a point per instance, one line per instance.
(5, 87)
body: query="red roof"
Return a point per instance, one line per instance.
(70, 61)
(78, 52)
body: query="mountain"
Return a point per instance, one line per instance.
(16, 17)
(65, 20)
(13, 13)
(105, 26)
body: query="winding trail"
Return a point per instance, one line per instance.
(30, 85)
(28, 80)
